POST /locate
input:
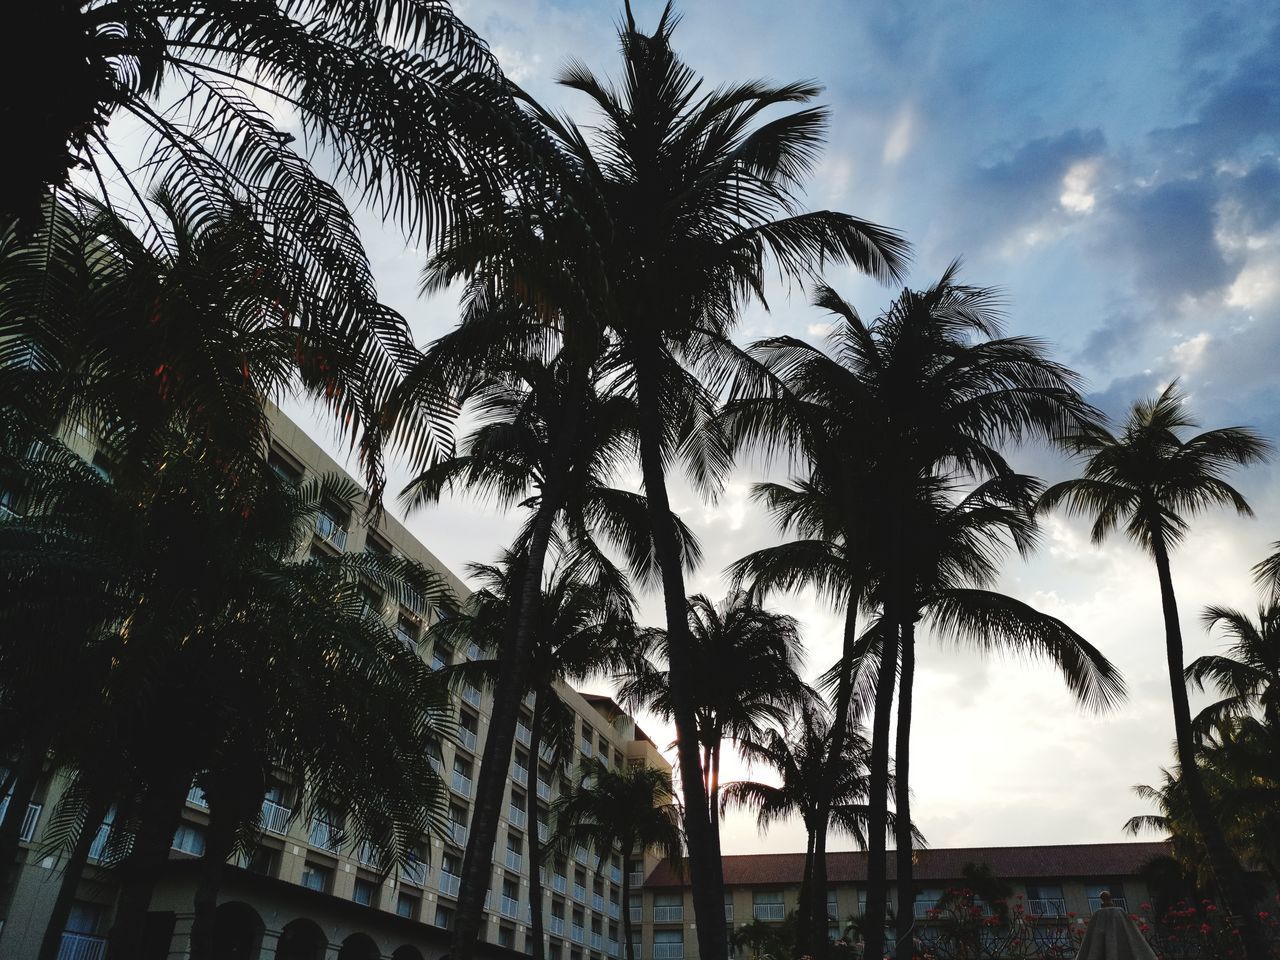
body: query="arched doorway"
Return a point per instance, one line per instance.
(359, 946)
(237, 932)
(301, 939)
(407, 952)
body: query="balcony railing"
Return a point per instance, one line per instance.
(728, 913)
(615, 874)
(467, 738)
(556, 925)
(100, 840)
(612, 949)
(544, 832)
(580, 893)
(523, 733)
(415, 872)
(471, 695)
(406, 638)
(517, 816)
(668, 951)
(767, 911)
(581, 855)
(559, 884)
(544, 790)
(196, 795)
(331, 530)
(458, 833)
(515, 861)
(586, 747)
(578, 933)
(597, 903)
(637, 915)
(449, 884)
(547, 752)
(668, 913)
(368, 854)
(509, 907)
(323, 834)
(461, 784)
(473, 651)
(921, 908)
(615, 910)
(1095, 904)
(636, 879)
(1047, 907)
(519, 773)
(275, 817)
(597, 941)
(29, 819)
(82, 946)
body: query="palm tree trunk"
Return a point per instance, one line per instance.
(1226, 866)
(804, 929)
(535, 842)
(159, 814)
(626, 904)
(815, 920)
(705, 870)
(878, 801)
(26, 777)
(902, 789)
(219, 842)
(51, 943)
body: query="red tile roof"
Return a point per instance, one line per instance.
(1099, 860)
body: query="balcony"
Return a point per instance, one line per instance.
(1095, 904)
(668, 951)
(597, 941)
(415, 872)
(728, 913)
(406, 638)
(612, 949)
(636, 879)
(544, 790)
(331, 531)
(82, 946)
(515, 861)
(580, 893)
(615, 910)
(449, 884)
(578, 933)
(467, 738)
(509, 907)
(559, 884)
(544, 832)
(581, 855)
(529, 699)
(637, 915)
(921, 908)
(275, 817)
(597, 903)
(461, 784)
(586, 747)
(471, 695)
(669, 913)
(323, 834)
(517, 816)
(473, 651)
(523, 733)
(615, 874)
(100, 840)
(547, 752)
(196, 796)
(29, 820)
(519, 772)
(457, 833)
(556, 925)
(1047, 907)
(767, 911)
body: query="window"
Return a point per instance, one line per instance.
(84, 917)
(668, 908)
(444, 917)
(365, 892)
(262, 861)
(407, 905)
(375, 544)
(833, 906)
(189, 838)
(1094, 892)
(926, 899)
(316, 877)
(506, 937)
(441, 656)
(284, 468)
(407, 632)
(767, 905)
(1045, 900)
(103, 465)
(668, 945)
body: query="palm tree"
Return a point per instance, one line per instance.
(925, 395)
(1152, 479)
(749, 660)
(633, 809)
(584, 628)
(551, 443)
(759, 940)
(1248, 673)
(798, 755)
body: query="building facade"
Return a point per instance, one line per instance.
(1061, 883)
(304, 895)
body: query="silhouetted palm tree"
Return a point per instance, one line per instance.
(633, 808)
(748, 659)
(1248, 673)
(1152, 480)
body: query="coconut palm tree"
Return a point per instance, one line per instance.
(585, 628)
(926, 394)
(1152, 479)
(798, 754)
(1248, 673)
(633, 809)
(749, 660)
(552, 443)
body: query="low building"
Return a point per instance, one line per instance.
(1057, 882)
(304, 896)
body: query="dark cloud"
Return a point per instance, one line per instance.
(1031, 176)
(1258, 194)
(1113, 343)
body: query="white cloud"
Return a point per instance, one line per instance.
(901, 136)
(1077, 186)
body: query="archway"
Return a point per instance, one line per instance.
(237, 932)
(301, 939)
(359, 946)
(407, 952)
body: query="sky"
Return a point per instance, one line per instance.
(1112, 167)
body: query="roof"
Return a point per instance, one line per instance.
(1060, 860)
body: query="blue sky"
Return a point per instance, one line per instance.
(1113, 167)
